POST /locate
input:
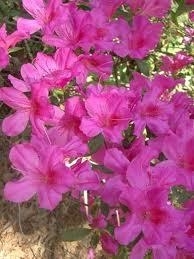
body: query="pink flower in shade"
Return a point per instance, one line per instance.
(157, 8)
(191, 16)
(142, 37)
(189, 1)
(6, 42)
(99, 64)
(36, 109)
(189, 35)
(109, 244)
(73, 32)
(176, 63)
(43, 174)
(98, 222)
(108, 113)
(45, 14)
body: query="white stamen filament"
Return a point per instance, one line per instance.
(118, 218)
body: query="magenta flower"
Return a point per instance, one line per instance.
(73, 31)
(54, 71)
(176, 63)
(157, 8)
(36, 109)
(182, 158)
(6, 42)
(45, 15)
(154, 109)
(43, 174)
(154, 217)
(141, 37)
(108, 113)
(69, 122)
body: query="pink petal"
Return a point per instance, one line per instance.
(4, 58)
(34, 7)
(14, 98)
(128, 231)
(19, 191)
(29, 73)
(24, 158)
(116, 161)
(89, 127)
(28, 26)
(75, 147)
(48, 198)
(18, 84)
(16, 123)
(16, 37)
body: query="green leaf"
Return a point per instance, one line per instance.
(95, 240)
(102, 168)
(143, 67)
(75, 234)
(95, 143)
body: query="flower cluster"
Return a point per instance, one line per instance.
(126, 147)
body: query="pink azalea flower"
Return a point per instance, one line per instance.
(43, 174)
(142, 37)
(37, 110)
(108, 113)
(73, 32)
(154, 109)
(101, 30)
(154, 113)
(154, 217)
(6, 42)
(53, 71)
(177, 62)
(150, 7)
(45, 15)
(183, 158)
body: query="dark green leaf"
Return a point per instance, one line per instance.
(95, 240)
(95, 143)
(75, 234)
(102, 168)
(143, 67)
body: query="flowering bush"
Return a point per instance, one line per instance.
(108, 124)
